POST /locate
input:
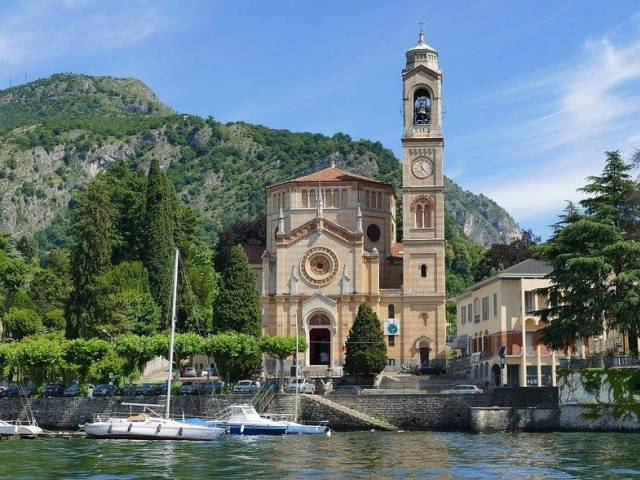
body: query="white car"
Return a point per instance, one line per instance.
(463, 390)
(246, 386)
(301, 385)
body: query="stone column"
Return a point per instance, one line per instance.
(539, 367)
(523, 362)
(554, 381)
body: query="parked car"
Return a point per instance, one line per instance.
(14, 390)
(127, 390)
(104, 390)
(212, 387)
(74, 390)
(463, 390)
(190, 388)
(246, 386)
(302, 385)
(54, 389)
(188, 372)
(3, 391)
(347, 390)
(428, 369)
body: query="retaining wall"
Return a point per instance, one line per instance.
(415, 412)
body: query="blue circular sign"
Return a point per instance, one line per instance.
(392, 329)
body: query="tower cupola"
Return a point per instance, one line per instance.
(422, 54)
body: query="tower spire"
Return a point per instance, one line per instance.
(421, 33)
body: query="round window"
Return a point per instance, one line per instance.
(319, 266)
(373, 233)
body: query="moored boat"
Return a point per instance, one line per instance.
(243, 420)
(17, 428)
(149, 425)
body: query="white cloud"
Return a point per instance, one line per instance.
(33, 32)
(557, 125)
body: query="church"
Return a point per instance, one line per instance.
(331, 244)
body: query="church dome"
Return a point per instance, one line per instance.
(422, 46)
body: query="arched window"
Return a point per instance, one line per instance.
(328, 199)
(391, 311)
(423, 271)
(423, 206)
(312, 198)
(379, 201)
(367, 199)
(421, 107)
(305, 198)
(344, 198)
(336, 198)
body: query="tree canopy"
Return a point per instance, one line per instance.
(366, 351)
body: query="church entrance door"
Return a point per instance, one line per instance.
(320, 346)
(424, 355)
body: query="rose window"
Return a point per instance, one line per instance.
(319, 266)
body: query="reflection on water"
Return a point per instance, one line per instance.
(345, 455)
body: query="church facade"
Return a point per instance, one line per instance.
(331, 243)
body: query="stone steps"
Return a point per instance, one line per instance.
(363, 418)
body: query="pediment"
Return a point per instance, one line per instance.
(421, 69)
(315, 225)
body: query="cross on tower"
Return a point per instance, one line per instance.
(421, 23)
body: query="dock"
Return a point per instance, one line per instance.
(68, 435)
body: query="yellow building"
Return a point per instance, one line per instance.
(497, 314)
(331, 243)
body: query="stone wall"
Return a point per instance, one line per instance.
(417, 412)
(563, 418)
(414, 412)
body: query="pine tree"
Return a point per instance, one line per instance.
(90, 256)
(237, 306)
(595, 282)
(160, 227)
(366, 352)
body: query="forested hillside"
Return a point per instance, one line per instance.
(58, 133)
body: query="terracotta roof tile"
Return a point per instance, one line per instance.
(254, 252)
(397, 250)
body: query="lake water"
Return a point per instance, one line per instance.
(344, 455)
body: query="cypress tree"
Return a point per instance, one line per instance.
(237, 306)
(366, 352)
(90, 256)
(160, 226)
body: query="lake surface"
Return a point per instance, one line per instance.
(344, 455)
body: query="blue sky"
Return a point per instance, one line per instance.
(534, 91)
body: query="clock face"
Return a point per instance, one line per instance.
(422, 168)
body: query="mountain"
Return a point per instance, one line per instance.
(57, 133)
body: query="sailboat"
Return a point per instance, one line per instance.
(24, 429)
(149, 425)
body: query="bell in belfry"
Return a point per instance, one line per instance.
(423, 111)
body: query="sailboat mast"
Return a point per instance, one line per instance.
(173, 331)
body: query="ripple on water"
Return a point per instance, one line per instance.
(344, 455)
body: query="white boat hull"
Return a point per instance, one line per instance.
(8, 428)
(151, 429)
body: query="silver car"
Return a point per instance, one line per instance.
(246, 386)
(463, 390)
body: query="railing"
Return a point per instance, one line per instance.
(263, 397)
(598, 361)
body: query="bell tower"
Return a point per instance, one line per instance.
(423, 185)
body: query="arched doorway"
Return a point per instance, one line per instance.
(319, 340)
(424, 350)
(496, 375)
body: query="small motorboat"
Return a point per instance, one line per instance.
(18, 428)
(243, 420)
